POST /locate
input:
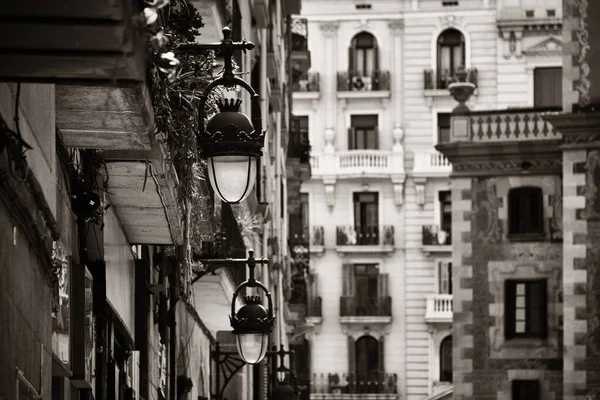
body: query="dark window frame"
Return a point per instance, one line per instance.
(366, 233)
(523, 389)
(365, 127)
(526, 213)
(534, 307)
(361, 43)
(446, 364)
(443, 127)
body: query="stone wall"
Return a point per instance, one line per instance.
(484, 362)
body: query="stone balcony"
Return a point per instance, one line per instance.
(352, 164)
(431, 165)
(436, 240)
(356, 239)
(439, 308)
(502, 142)
(366, 311)
(345, 386)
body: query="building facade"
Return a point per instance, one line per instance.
(524, 195)
(96, 299)
(378, 207)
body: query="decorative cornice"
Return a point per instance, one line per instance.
(535, 157)
(579, 130)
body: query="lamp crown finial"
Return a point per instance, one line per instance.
(229, 105)
(253, 300)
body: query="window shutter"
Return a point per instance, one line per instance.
(351, 66)
(376, 59)
(381, 357)
(349, 288)
(382, 283)
(351, 139)
(543, 309)
(351, 357)
(509, 309)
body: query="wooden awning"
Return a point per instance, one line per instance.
(73, 41)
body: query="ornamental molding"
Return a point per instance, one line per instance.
(396, 27)
(507, 167)
(329, 28)
(550, 47)
(579, 130)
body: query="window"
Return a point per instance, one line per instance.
(525, 211)
(450, 55)
(298, 146)
(363, 57)
(547, 87)
(366, 279)
(446, 359)
(443, 124)
(525, 309)
(366, 218)
(526, 390)
(445, 277)
(363, 133)
(551, 13)
(368, 360)
(445, 201)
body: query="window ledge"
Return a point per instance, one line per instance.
(526, 342)
(529, 237)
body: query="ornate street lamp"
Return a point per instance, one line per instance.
(230, 142)
(252, 323)
(285, 385)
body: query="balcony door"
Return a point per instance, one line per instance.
(547, 87)
(446, 359)
(444, 277)
(366, 362)
(363, 57)
(445, 202)
(363, 133)
(366, 218)
(367, 288)
(451, 55)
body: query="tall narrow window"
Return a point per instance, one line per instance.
(445, 277)
(525, 211)
(367, 359)
(525, 308)
(445, 201)
(446, 359)
(363, 57)
(367, 288)
(443, 124)
(450, 55)
(366, 218)
(547, 87)
(363, 133)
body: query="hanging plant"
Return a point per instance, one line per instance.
(250, 227)
(176, 82)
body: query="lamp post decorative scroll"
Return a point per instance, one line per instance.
(230, 142)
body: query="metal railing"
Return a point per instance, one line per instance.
(306, 82)
(434, 80)
(348, 235)
(433, 235)
(350, 383)
(366, 307)
(358, 82)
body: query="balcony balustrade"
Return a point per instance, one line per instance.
(431, 164)
(350, 164)
(366, 307)
(342, 386)
(302, 235)
(505, 125)
(357, 82)
(439, 308)
(306, 82)
(434, 80)
(348, 235)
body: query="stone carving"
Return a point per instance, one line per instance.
(450, 21)
(579, 8)
(398, 135)
(556, 222)
(396, 26)
(506, 165)
(329, 28)
(547, 48)
(420, 193)
(485, 211)
(592, 197)
(330, 195)
(399, 194)
(329, 136)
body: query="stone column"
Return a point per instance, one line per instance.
(329, 76)
(397, 64)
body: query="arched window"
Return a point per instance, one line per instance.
(446, 359)
(363, 59)
(450, 55)
(526, 211)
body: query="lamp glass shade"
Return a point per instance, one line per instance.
(232, 177)
(252, 347)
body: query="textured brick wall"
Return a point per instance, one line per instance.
(574, 265)
(462, 326)
(484, 363)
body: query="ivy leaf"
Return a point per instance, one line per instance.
(150, 15)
